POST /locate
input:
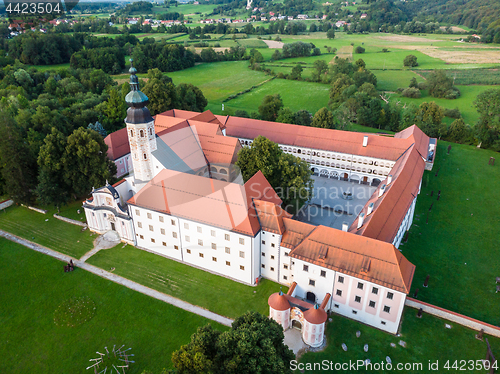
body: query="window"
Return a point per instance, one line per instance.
(387, 309)
(226, 236)
(357, 299)
(242, 267)
(228, 250)
(187, 238)
(242, 241)
(145, 156)
(375, 290)
(174, 234)
(201, 255)
(214, 246)
(162, 231)
(242, 254)
(336, 305)
(151, 228)
(372, 304)
(272, 269)
(199, 229)
(272, 245)
(176, 247)
(263, 266)
(323, 273)
(264, 242)
(139, 224)
(390, 295)
(228, 263)
(186, 225)
(285, 266)
(360, 285)
(142, 133)
(214, 259)
(272, 257)
(382, 322)
(263, 254)
(200, 242)
(312, 282)
(341, 279)
(131, 133)
(188, 250)
(150, 216)
(354, 312)
(285, 277)
(339, 292)
(286, 254)
(305, 268)
(172, 222)
(137, 212)
(212, 232)
(160, 218)
(164, 244)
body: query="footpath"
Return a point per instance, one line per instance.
(120, 280)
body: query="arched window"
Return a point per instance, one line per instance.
(145, 155)
(150, 131)
(131, 133)
(142, 133)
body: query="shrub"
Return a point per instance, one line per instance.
(410, 61)
(359, 49)
(422, 86)
(385, 50)
(452, 113)
(411, 92)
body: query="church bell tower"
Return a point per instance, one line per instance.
(140, 129)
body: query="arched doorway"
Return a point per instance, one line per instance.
(310, 296)
(296, 325)
(345, 177)
(376, 182)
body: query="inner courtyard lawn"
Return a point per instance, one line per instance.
(458, 248)
(34, 286)
(426, 340)
(198, 287)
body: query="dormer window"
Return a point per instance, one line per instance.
(142, 133)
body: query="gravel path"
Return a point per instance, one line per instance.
(120, 280)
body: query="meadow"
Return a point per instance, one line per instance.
(35, 292)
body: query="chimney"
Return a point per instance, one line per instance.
(361, 220)
(389, 179)
(365, 141)
(370, 209)
(345, 226)
(381, 191)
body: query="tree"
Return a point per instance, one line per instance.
(86, 163)
(429, 117)
(98, 128)
(413, 83)
(323, 118)
(288, 175)
(114, 110)
(271, 104)
(330, 34)
(254, 344)
(296, 72)
(459, 132)
(441, 86)
(190, 98)
(302, 118)
(410, 61)
(52, 187)
(285, 115)
(160, 91)
(488, 127)
(359, 49)
(411, 92)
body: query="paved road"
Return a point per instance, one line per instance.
(120, 280)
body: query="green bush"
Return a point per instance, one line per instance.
(411, 92)
(359, 49)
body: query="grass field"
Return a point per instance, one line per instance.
(46, 230)
(458, 248)
(34, 286)
(426, 340)
(212, 292)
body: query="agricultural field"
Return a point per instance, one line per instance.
(41, 335)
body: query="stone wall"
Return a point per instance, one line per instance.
(69, 220)
(5, 204)
(454, 317)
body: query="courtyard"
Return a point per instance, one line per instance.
(335, 202)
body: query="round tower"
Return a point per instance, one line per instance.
(140, 129)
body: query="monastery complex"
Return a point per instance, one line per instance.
(186, 200)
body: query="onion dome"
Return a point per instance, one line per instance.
(316, 315)
(136, 100)
(278, 301)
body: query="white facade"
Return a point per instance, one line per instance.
(142, 139)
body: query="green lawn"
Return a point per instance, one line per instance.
(53, 233)
(391, 80)
(213, 292)
(426, 339)
(296, 95)
(34, 286)
(458, 248)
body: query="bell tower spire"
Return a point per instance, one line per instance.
(140, 129)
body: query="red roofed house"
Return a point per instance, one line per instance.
(185, 200)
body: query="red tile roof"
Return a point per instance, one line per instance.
(271, 216)
(390, 209)
(278, 301)
(210, 201)
(315, 316)
(118, 145)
